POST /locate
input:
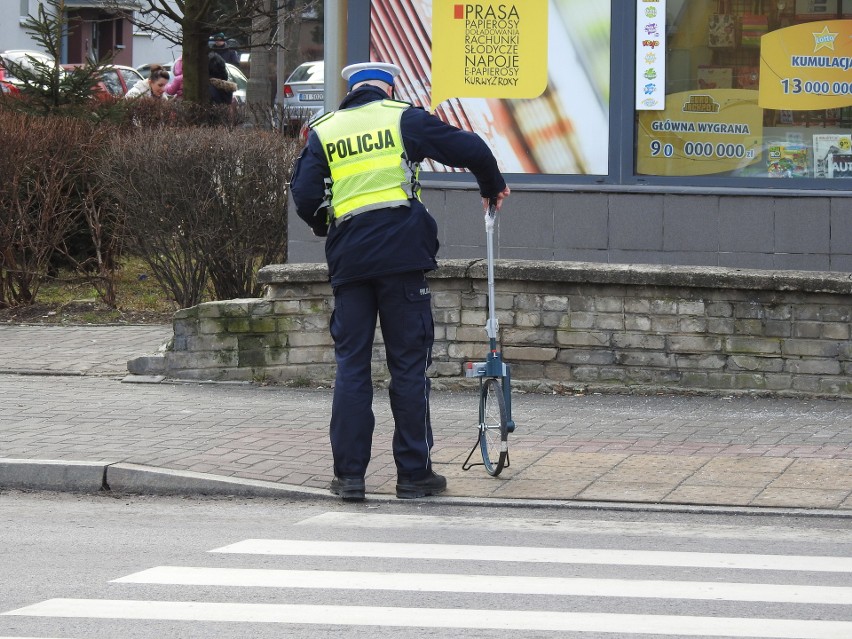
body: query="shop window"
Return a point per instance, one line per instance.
(753, 88)
(560, 129)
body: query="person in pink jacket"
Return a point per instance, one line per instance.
(175, 87)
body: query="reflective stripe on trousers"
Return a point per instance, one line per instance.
(402, 302)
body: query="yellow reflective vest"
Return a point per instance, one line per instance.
(366, 155)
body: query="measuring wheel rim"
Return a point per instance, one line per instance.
(493, 426)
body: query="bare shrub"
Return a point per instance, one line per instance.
(202, 203)
(41, 161)
(160, 183)
(285, 120)
(249, 217)
(103, 224)
(147, 114)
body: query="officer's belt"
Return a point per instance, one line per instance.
(370, 207)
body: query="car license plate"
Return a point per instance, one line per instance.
(310, 97)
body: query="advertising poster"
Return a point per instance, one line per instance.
(831, 155)
(807, 66)
(488, 50)
(650, 55)
(787, 161)
(531, 77)
(701, 133)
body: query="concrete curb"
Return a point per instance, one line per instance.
(127, 478)
(98, 476)
(47, 474)
(48, 373)
(138, 479)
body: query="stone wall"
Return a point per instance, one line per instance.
(563, 325)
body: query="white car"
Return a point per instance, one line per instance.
(303, 93)
(24, 58)
(238, 77)
(145, 69)
(235, 75)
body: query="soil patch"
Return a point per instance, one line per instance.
(80, 312)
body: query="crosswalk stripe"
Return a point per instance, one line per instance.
(492, 584)
(682, 626)
(594, 556)
(348, 521)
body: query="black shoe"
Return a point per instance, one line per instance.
(349, 488)
(411, 489)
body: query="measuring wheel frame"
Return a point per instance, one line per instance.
(495, 382)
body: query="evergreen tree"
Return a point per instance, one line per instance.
(46, 88)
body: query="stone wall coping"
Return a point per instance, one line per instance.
(712, 277)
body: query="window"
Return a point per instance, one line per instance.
(112, 82)
(753, 89)
(130, 76)
(562, 129)
(672, 93)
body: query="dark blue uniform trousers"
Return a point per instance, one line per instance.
(402, 303)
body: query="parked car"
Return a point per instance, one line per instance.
(116, 80)
(9, 83)
(304, 91)
(25, 57)
(235, 75)
(125, 78)
(145, 69)
(245, 63)
(308, 124)
(238, 77)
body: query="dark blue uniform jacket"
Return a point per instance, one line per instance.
(390, 240)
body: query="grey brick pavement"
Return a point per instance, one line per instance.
(77, 350)
(654, 449)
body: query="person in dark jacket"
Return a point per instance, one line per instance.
(355, 183)
(219, 44)
(221, 88)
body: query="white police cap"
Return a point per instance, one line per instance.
(362, 71)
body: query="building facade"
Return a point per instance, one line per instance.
(687, 132)
(96, 29)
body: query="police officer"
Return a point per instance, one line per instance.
(356, 183)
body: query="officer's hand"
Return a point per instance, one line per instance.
(499, 197)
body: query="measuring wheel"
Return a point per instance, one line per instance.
(495, 381)
(493, 426)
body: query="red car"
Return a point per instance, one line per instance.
(120, 79)
(116, 80)
(6, 85)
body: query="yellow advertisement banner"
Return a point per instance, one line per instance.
(807, 66)
(488, 49)
(700, 133)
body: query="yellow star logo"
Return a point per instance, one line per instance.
(824, 39)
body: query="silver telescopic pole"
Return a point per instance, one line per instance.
(491, 325)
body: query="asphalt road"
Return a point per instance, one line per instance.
(102, 566)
